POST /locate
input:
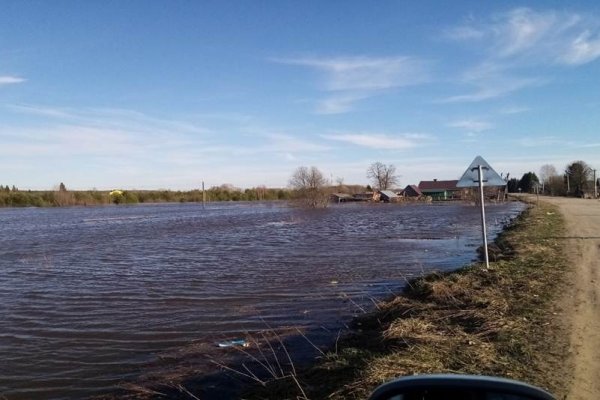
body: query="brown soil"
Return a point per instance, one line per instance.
(583, 299)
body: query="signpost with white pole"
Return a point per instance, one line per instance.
(479, 172)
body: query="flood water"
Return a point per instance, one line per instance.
(89, 296)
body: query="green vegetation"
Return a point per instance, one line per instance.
(17, 198)
(578, 174)
(503, 322)
(13, 197)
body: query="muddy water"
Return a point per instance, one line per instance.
(89, 296)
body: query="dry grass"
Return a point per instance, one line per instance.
(501, 322)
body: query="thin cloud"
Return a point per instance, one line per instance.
(472, 125)
(524, 35)
(513, 110)
(522, 40)
(338, 103)
(366, 73)
(9, 80)
(583, 49)
(352, 79)
(110, 118)
(110, 133)
(69, 141)
(381, 141)
(522, 29)
(492, 80)
(498, 86)
(40, 110)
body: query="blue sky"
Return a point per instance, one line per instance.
(166, 94)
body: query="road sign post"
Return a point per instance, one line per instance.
(474, 177)
(483, 227)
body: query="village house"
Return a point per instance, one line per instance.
(442, 190)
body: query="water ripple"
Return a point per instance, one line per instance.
(89, 296)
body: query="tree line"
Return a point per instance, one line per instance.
(577, 179)
(60, 197)
(307, 186)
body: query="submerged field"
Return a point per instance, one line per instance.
(96, 297)
(505, 321)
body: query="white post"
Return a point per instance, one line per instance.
(595, 186)
(485, 245)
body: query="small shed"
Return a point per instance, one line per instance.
(341, 197)
(387, 196)
(412, 191)
(367, 196)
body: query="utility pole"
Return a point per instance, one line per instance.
(595, 186)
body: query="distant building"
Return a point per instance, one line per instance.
(368, 196)
(441, 190)
(411, 191)
(387, 196)
(341, 198)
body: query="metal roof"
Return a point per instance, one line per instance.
(438, 185)
(342, 195)
(388, 193)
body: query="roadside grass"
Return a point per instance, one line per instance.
(504, 321)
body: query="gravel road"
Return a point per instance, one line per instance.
(583, 234)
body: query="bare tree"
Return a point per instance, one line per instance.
(383, 176)
(546, 172)
(310, 186)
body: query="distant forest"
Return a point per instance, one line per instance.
(13, 197)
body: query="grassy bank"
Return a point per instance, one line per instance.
(502, 322)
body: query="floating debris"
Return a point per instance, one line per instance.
(234, 343)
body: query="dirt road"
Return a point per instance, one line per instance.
(583, 225)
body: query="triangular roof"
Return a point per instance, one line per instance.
(414, 188)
